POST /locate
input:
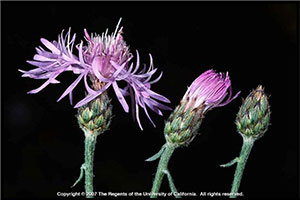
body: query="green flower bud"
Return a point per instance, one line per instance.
(95, 117)
(182, 125)
(254, 114)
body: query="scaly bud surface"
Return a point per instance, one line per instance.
(254, 114)
(181, 127)
(95, 117)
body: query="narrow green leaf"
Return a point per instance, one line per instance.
(157, 155)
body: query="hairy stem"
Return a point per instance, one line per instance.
(90, 145)
(245, 152)
(171, 184)
(162, 169)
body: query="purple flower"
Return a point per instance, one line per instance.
(208, 91)
(105, 60)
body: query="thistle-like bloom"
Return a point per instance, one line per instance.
(105, 59)
(209, 90)
(206, 92)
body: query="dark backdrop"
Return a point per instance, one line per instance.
(257, 43)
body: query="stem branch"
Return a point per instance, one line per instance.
(245, 152)
(162, 169)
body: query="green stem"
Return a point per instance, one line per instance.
(245, 152)
(171, 184)
(90, 145)
(162, 169)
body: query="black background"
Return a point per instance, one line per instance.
(257, 43)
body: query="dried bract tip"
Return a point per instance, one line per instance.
(254, 115)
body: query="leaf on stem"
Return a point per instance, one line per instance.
(156, 156)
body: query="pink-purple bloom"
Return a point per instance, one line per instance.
(209, 90)
(105, 59)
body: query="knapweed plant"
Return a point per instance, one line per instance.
(252, 122)
(101, 62)
(206, 92)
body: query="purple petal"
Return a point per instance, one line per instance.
(229, 100)
(43, 85)
(87, 35)
(120, 96)
(42, 58)
(54, 81)
(158, 96)
(97, 73)
(130, 69)
(124, 91)
(157, 79)
(80, 53)
(132, 102)
(118, 67)
(137, 115)
(148, 74)
(152, 107)
(87, 87)
(39, 64)
(137, 102)
(71, 97)
(71, 87)
(50, 46)
(90, 97)
(145, 109)
(153, 103)
(137, 62)
(49, 55)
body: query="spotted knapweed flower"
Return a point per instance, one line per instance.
(206, 92)
(105, 59)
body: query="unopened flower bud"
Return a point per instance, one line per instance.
(95, 117)
(182, 125)
(206, 92)
(254, 114)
